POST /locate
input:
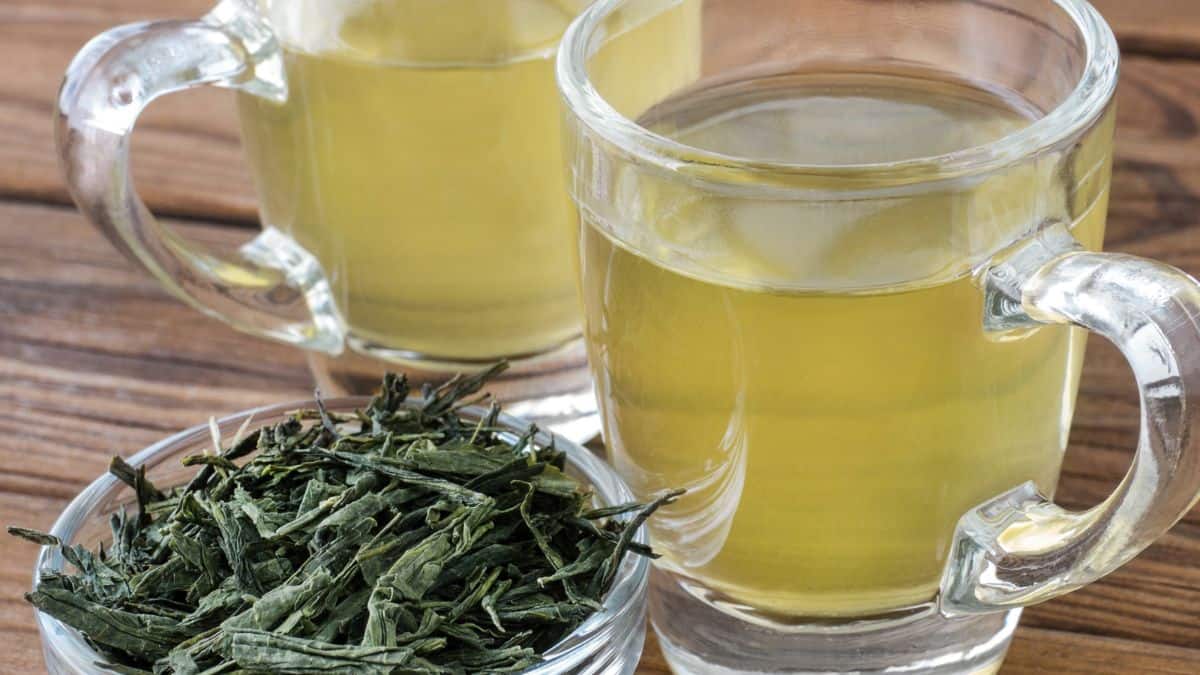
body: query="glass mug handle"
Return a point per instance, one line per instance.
(273, 288)
(1021, 548)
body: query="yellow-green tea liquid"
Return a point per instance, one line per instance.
(817, 374)
(418, 156)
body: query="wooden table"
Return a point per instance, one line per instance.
(96, 360)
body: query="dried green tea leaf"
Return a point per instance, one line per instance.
(39, 538)
(262, 651)
(145, 634)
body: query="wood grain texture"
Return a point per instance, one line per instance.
(1165, 28)
(187, 157)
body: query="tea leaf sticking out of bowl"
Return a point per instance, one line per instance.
(399, 538)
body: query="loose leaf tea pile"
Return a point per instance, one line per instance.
(399, 539)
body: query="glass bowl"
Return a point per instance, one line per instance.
(609, 642)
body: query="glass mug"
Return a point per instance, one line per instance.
(408, 160)
(836, 285)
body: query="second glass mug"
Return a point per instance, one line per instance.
(836, 283)
(408, 162)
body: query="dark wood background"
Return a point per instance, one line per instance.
(96, 360)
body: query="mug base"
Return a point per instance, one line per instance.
(698, 637)
(552, 388)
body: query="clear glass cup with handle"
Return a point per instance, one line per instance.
(407, 157)
(838, 261)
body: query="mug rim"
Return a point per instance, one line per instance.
(1074, 115)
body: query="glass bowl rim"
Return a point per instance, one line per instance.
(627, 592)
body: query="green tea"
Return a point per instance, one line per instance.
(418, 157)
(816, 373)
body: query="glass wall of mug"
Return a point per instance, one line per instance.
(785, 265)
(417, 158)
(408, 161)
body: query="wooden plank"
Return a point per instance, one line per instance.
(1157, 176)
(72, 307)
(653, 662)
(1042, 652)
(1168, 28)
(95, 359)
(187, 159)
(187, 156)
